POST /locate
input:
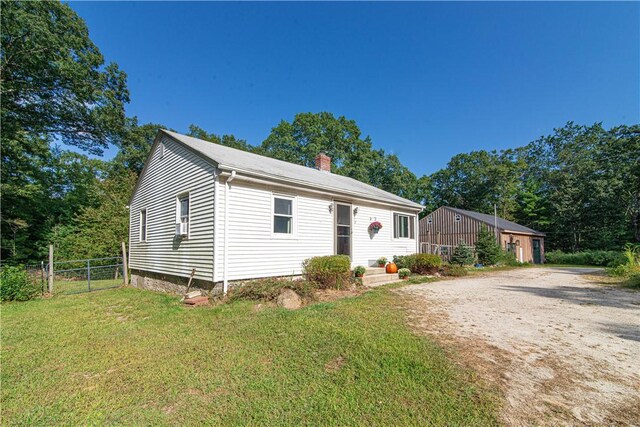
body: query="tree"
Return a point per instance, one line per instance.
(53, 81)
(488, 250)
(227, 140)
(55, 88)
(462, 254)
(351, 155)
(135, 144)
(108, 219)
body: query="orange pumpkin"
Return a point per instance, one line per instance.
(392, 268)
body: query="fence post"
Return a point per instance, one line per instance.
(89, 274)
(125, 266)
(42, 277)
(51, 269)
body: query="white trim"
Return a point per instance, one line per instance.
(227, 190)
(335, 227)
(179, 196)
(393, 224)
(294, 216)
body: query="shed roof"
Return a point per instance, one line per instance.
(502, 223)
(229, 158)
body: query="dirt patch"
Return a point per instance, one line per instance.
(335, 365)
(562, 350)
(327, 295)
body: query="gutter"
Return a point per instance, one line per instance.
(225, 283)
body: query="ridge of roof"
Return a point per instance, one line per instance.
(503, 224)
(230, 158)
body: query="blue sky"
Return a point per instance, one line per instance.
(425, 80)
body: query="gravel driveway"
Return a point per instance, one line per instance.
(560, 348)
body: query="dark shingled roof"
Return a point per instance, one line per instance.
(503, 224)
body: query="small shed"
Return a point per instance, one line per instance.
(444, 228)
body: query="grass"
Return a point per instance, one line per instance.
(76, 286)
(132, 357)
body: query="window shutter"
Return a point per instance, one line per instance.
(395, 226)
(412, 224)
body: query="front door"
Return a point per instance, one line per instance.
(537, 259)
(343, 229)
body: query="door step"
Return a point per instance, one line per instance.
(378, 279)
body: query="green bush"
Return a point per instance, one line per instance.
(463, 255)
(332, 271)
(16, 285)
(404, 261)
(425, 263)
(631, 266)
(359, 271)
(599, 258)
(404, 272)
(269, 289)
(453, 270)
(508, 258)
(488, 250)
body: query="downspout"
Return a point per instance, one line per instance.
(225, 283)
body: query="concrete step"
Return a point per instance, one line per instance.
(375, 270)
(372, 280)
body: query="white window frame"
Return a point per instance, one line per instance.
(410, 220)
(180, 196)
(294, 216)
(144, 211)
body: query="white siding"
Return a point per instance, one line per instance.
(165, 177)
(369, 247)
(255, 252)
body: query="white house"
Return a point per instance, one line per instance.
(233, 215)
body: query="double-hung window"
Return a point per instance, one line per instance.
(403, 226)
(182, 215)
(282, 215)
(143, 225)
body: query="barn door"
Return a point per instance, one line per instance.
(537, 259)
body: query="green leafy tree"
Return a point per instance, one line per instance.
(228, 140)
(109, 219)
(55, 88)
(488, 250)
(463, 254)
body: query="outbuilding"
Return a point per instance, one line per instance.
(446, 227)
(222, 215)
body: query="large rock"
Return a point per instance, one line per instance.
(289, 299)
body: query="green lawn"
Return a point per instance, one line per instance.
(131, 357)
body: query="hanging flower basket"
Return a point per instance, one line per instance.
(375, 226)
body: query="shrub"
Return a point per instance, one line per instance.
(425, 263)
(382, 260)
(359, 271)
(269, 289)
(488, 250)
(599, 258)
(16, 285)
(454, 270)
(404, 272)
(508, 258)
(332, 271)
(463, 255)
(403, 261)
(631, 266)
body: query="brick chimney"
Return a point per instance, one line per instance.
(323, 162)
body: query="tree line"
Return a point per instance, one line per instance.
(580, 185)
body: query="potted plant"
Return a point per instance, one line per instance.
(382, 261)
(359, 271)
(404, 273)
(375, 226)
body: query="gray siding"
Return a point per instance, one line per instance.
(166, 176)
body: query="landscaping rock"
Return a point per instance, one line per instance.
(289, 299)
(197, 301)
